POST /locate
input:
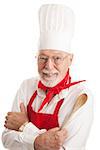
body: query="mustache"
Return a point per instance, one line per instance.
(49, 72)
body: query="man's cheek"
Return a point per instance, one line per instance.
(40, 68)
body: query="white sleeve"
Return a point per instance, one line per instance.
(79, 126)
(15, 140)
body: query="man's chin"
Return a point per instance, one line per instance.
(50, 82)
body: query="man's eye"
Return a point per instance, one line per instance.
(58, 58)
(43, 58)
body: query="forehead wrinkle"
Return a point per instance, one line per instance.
(52, 53)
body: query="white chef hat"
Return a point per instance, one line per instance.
(56, 23)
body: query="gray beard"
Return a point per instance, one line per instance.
(49, 83)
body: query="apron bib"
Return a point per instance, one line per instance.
(42, 120)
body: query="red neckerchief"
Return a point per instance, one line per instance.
(65, 83)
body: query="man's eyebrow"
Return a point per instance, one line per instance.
(52, 54)
(42, 54)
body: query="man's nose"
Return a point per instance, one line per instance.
(49, 64)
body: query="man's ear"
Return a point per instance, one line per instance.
(70, 59)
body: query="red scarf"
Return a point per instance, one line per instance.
(65, 83)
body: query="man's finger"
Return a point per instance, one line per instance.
(22, 107)
(55, 129)
(63, 131)
(9, 113)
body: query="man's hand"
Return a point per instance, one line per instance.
(52, 139)
(15, 119)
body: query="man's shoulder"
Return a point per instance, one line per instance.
(80, 84)
(30, 82)
(82, 87)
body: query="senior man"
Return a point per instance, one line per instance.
(42, 104)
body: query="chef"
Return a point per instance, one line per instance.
(44, 103)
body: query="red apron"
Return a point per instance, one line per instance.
(42, 120)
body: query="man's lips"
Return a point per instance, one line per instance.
(49, 75)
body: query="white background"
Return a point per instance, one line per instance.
(18, 42)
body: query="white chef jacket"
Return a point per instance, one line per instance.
(78, 127)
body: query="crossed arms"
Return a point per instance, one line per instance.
(51, 139)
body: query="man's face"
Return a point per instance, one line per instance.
(53, 66)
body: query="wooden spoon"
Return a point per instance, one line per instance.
(81, 100)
